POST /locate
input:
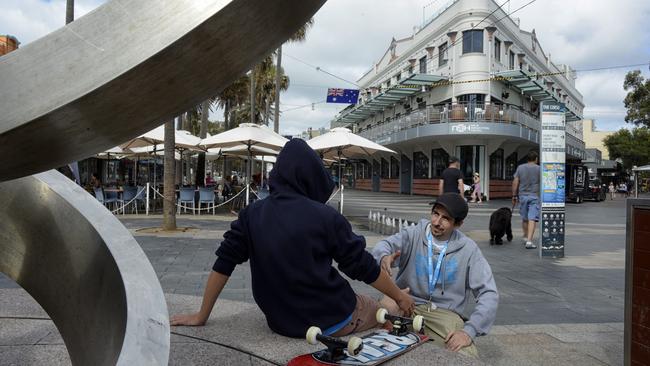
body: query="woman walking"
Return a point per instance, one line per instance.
(476, 194)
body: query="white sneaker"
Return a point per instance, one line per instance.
(530, 245)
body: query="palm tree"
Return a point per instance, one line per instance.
(200, 168)
(299, 36)
(169, 194)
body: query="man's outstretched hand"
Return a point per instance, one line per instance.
(387, 262)
(457, 340)
(188, 319)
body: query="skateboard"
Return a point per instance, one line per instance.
(372, 349)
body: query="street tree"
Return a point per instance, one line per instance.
(299, 36)
(631, 146)
(637, 100)
(169, 192)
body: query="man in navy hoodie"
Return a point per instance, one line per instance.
(291, 239)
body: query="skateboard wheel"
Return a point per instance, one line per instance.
(312, 332)
(418, 322)
(381, 315)
(354, 346)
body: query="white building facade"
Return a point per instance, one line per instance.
(467, 84)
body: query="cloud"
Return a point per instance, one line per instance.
(349, 36)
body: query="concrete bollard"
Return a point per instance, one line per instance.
(382, 224)
(370, 220)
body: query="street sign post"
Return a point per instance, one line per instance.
(553, 180)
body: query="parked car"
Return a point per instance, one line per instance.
(595, 191)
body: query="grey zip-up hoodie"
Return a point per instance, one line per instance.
(463, 269)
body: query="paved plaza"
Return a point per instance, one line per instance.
(551, 311)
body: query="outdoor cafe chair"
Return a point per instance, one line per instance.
(140, 197)
(187, 196)
(110, 197)
(99, 195)
(128, 198)
(206, 195)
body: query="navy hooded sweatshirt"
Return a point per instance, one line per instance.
(291, 239)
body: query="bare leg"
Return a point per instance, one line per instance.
(524, 227)
(390, 305)
(531, 229)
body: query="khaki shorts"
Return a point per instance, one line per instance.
(363, 317)
(439, 323)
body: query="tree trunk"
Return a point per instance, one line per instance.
(200, 165)
(69, 11)
(169, 201)
(179, 165)
(278, 78)
(226, 116)
(252, 87)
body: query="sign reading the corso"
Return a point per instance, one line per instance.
(552, 163)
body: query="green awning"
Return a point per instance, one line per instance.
(526, 83)
(407, 87)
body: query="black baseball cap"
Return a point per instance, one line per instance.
(454, 203)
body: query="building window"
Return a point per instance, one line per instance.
(410, 70)
(443, 54)
(394, 167)
(398, 77)
(384, 169)
(496, 164)
(423, 65)
(439, 159)
(420, 165)
(511, 165)
(511, 61)
(388, 83)
(497, 49)
(472, 41)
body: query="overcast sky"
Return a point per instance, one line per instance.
(349, 36)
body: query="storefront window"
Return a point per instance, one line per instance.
(439, 159)
(511, 165)
(394, 167)
(496, 164)
(384, 169)
(420, 165)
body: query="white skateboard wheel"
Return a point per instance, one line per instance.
(312, 332)
(354, 346)
(381, 315)
(418, 322)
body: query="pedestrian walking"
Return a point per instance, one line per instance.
(476, 193)
(525, 189)
(452, 178)
(612, 191)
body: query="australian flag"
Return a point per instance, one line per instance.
(347, 96)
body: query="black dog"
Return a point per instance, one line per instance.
(500, 224)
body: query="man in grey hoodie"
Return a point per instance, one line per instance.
(441, 266)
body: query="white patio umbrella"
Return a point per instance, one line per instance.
(340, 142)
(183, 140)
(250, 135)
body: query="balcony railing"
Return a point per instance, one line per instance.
(457, 112)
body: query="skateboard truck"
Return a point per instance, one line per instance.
(400, 324)
(335, 346)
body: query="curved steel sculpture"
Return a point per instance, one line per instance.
(125, 68)
(111, 75)
(86, 271)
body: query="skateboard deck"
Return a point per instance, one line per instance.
(378, 347)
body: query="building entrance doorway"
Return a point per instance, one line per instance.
(472, 159)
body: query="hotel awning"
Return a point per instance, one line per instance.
(527, 83)
(407, 87)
